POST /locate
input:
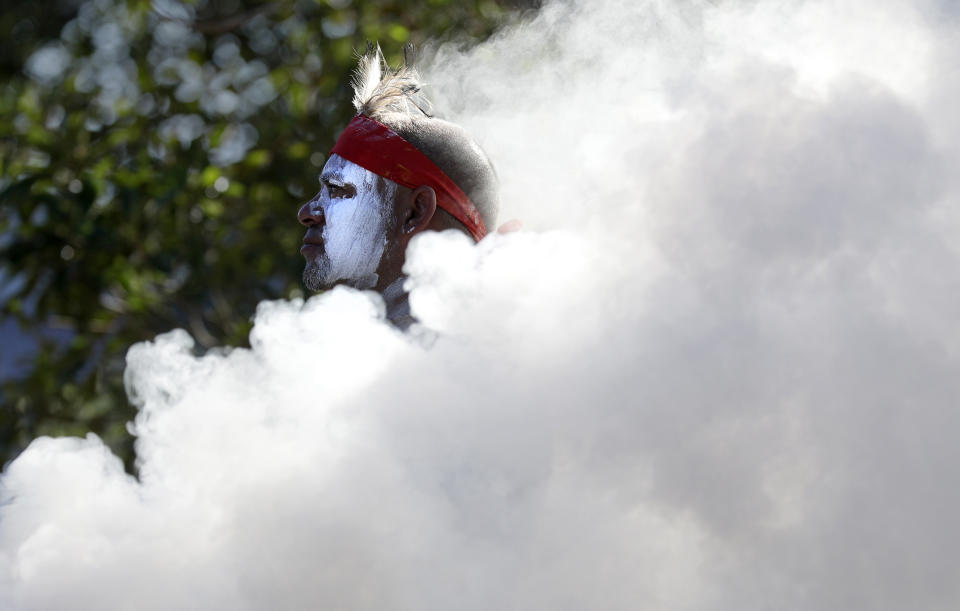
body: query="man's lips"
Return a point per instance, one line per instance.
(312, 243)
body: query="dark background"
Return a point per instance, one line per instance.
(153, 155)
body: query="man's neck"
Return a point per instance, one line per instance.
(398, 304)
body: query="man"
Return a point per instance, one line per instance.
(395, 172)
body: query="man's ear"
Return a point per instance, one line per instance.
(423, 205)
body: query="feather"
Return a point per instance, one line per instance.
(386, 94)
(367, 76)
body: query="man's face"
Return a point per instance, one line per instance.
(347, 223)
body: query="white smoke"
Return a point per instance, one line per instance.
(719, 371)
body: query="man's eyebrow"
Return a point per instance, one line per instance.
(332, 179)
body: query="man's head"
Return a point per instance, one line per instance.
(397, 171)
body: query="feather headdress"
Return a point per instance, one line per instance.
(386, 94)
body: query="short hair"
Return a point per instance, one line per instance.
(395, 98)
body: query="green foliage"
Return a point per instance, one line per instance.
(152, 159)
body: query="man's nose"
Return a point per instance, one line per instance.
(311, 213)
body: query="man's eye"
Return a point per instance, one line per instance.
(339, 190)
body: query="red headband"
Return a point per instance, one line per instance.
(376, 147)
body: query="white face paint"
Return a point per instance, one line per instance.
(355, 206)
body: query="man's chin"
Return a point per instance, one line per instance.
(316, 277)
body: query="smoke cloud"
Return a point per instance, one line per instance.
(717, 371)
